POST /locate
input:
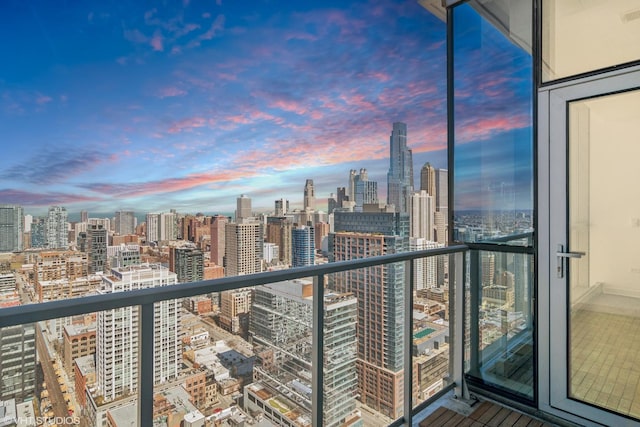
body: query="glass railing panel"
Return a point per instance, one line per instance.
(500, 328)
(431, 333)
(379, 292)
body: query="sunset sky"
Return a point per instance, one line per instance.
(132, 105)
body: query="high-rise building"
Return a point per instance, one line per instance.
(96, 247)
(281, 323)
(243, 248)
(243, 208)
(235, 307)
(39, 232)
(18, 362)
(342, 197)
(57, 228)
(400, 176)
(153, 227)
(422, 215)
(303, 246)
(351, 189)
(11, 228)
(332, 202)
(281, 207)
(117, 333)
(380, 289)
(168, 226)
(217, 239)
(125, 223)
(84, 216)
(426, 269)
(442, 206)
(279, 231)
(309, 196)
(322, 232)
(187, 263)
(428, 179)
(366, 192)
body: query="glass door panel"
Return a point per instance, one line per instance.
(594, 251)
(603, 236)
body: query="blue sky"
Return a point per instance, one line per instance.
(188, 104)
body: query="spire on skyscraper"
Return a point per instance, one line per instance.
(400, 176)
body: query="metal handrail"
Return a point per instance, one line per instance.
(18, 315)
(146, 298)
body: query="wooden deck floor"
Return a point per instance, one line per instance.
(486, 414)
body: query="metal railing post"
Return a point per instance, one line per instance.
(317, 353)
(457, 302)
(408, 344)
(145, 364)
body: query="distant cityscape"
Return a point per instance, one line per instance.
(244, 357)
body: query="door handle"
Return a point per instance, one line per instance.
(561, 255)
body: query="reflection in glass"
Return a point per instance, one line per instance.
(501, 322)
(493, 147)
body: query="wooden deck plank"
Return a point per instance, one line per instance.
(480, 410)
(489, 414)
(454, 421)
(432, 419)
(534, 423)
(523, 421)
(497, 419)
(511, 419)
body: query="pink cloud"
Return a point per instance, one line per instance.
(171, 91)
(187, 124)
(216, 26)
(480, 129)
(156, 41)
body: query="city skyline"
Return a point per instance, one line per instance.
(186, 107)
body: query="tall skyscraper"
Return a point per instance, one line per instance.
(442, 206)
(279, 231)
(351, 189)
(96, 243)
(168, 226)
(217, 239)
(187, 263)
(243, 248)
(125, 223)
(11, 228)
(428, 179)
(422, 215)
(400, 176)
(281, 207)
(153, 227)
(380, 289)
(243, 208)
(366, 192)
(84, 216)
(342, 197)
(117, 333)
(281, 322)
(57, 228)
(309, 196)
(302, 246)
(39, 233)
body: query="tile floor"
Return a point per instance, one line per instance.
(605, 355)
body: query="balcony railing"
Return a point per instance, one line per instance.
(146, 298)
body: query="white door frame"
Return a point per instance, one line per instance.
(552, 295)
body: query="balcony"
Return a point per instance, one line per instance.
(427, 372)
